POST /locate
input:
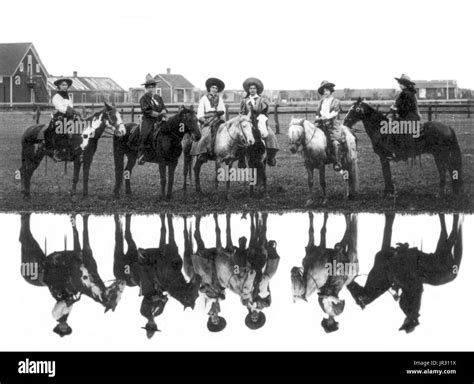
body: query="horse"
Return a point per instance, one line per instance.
(232, 136)
(81, 146)
(407, 269)
(327, 270)
(166, 148)
(302, 133)
(435, 138)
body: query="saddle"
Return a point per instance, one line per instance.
(134, 138)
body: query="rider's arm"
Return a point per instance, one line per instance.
(336, 109)
(60, 103)
(201, 109)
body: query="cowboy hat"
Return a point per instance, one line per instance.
(151, 328)
(253, 81)
(61, 331)
(149, 81)
(329, 325)
(405, 80)
(259, 323)
(215, 81)
(58, 82)
(216, 327)
(326, 85)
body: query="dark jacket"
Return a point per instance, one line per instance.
(149, 104)
(407, 105)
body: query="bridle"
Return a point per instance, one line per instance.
(303, 141)
(244, 140)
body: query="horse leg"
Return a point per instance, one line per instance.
(162, 168)
(186, 170)
(118, 162)
(263, 178)
(75, 177)
(88, 156)
(197, 172)
(171, 169)
(310, 171)
(131, 160)
(353, 179)
(29, 164)
(442, 175)
(322, 182)
(387, 176)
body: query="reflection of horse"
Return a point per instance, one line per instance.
(435, 138)
(407, 269)
(155, 270)
(165, 149)
(80, 146)
(327, 270)
(303, 133)
(232, 136)
(68, 274)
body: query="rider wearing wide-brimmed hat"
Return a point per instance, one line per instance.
(406, 105)
(211, 114)
(63, 110)
(154, 112)
(257, 105)
(327, 118)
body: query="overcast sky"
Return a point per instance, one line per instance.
(288, 44)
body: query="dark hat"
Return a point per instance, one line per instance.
(62, 332)
(405, 80)
(216, 327)
(215, 81)
(253, 81)
(58, 82)
(149, 80)
(326, 85)
(255, 324)
(330, 325)
(151, 328)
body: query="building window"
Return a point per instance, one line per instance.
(179, 96)
(158, 91)
(97, 99)
(21, 67)
(38, 68)
(1, 79)
(17, 80)
(83, 98)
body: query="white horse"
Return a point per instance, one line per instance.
(302, 133)
(232, 136)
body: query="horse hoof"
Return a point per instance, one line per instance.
(351, 196)
(309, 203)
(26, 196)
(169, 197)
(266, 196)
(324, 202)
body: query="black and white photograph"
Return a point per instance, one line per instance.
(237, 176)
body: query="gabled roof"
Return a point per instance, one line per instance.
(435, 83)
(175, 81)
(88, 84)
(11, 54)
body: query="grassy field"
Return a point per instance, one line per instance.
(416, 183)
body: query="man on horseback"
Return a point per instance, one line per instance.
(211, 113)
(64, 112)
(327, 118)
(154, 112)
(258, 106)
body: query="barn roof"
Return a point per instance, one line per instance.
(88, 84)
(435, 83)
(176, 81)
(11, 54)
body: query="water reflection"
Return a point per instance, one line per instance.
(242, 280)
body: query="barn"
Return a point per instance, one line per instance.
(175, 88)
(23, 77)
(91, 90)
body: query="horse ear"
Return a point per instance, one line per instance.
(359, 100)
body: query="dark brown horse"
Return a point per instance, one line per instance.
(78, 146)
(166, 148)
(435, 138)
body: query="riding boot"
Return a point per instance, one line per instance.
(213, 141)
(241, 163)
(141, 156)
(337, 156)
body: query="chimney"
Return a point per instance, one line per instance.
(74, 73)
(168, 71)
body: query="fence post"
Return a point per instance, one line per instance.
(468, 111)
(132, 113)
(37, 114)
(430, 112)
(226, 112)
(277, 123)
(306, 111)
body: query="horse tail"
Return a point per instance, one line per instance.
(454, 164)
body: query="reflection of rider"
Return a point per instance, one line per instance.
(153, 110)
(212, 109)
(327, 118)
(63, 110)
(258, 106)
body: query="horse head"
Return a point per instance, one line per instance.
(356, 113)
(243, 129)
(296, 134)
(262, 126)
(187, 116)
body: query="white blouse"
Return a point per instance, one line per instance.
(61, 103)
(205, 106)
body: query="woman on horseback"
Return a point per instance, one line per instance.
(327, 118)
(257, 105)
(211, 112)
(153, 110)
